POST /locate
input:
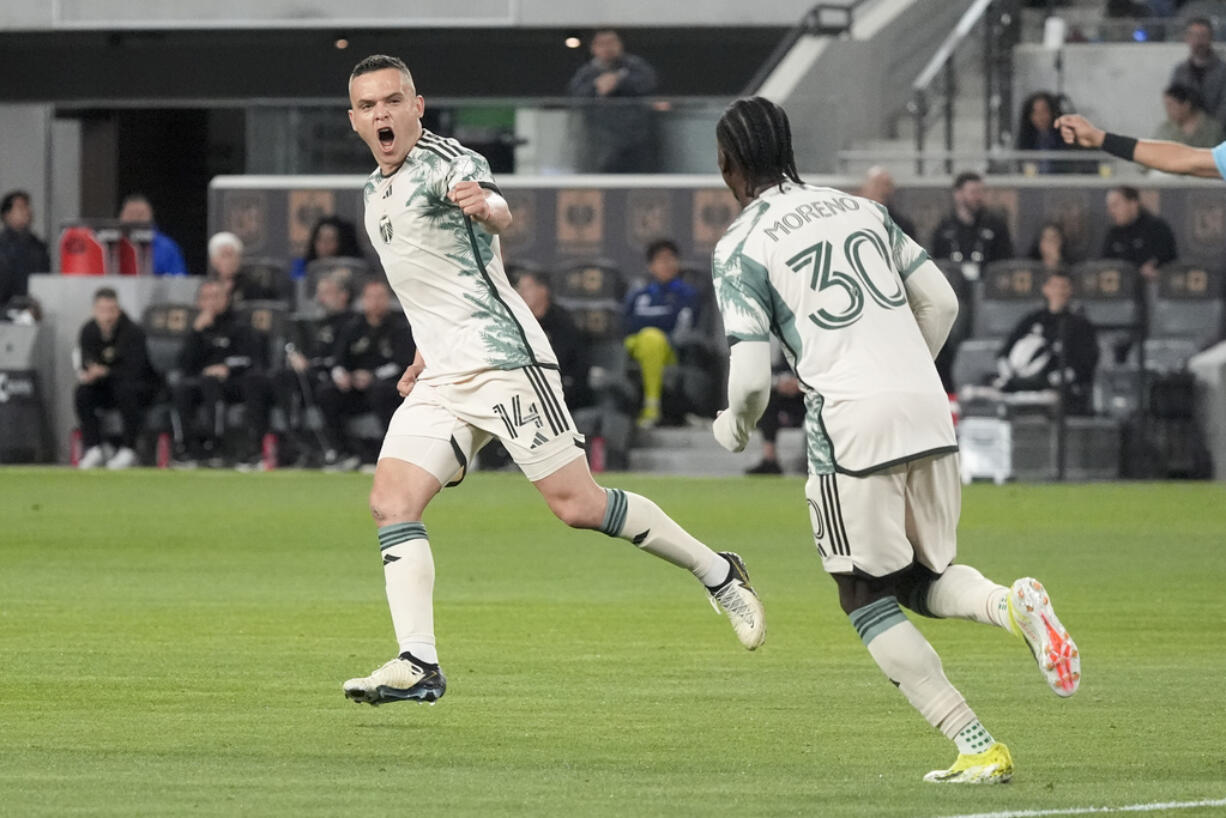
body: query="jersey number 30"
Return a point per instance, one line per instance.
(824, 276)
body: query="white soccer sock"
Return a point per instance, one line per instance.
(908, 661)
(973, 739)
(635, 518)
(408, 569)
(964, 593)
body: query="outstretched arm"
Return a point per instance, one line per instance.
(1169, 157)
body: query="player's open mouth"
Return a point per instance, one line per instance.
(386, 137)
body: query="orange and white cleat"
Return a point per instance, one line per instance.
(1033, 619)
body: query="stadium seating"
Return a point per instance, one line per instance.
(271, 318)
(135, 251)
(1188, 305)
(269, 275)
(81, 253)
(1007, 291)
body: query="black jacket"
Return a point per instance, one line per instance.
(1149, 238)
(124, 353)
(569, 346)
(21, 253)
(385, 350)
(1032, 355)
(228, 340)
(983, 241)
(319, 338)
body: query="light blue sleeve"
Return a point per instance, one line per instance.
(1219, 158)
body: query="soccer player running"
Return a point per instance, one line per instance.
(1169, 157)
(483, 370)
(861, 311)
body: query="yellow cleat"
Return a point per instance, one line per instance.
(993, 766)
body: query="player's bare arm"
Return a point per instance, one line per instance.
(482, 204)
(1169, 157)
(409, 379)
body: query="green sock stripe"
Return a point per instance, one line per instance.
(614, 513)
(398, 533)
(875, 618)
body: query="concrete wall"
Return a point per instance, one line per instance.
(25, 133)
(849, 89)
(42, 155)
(128, 14)
(1117, 85)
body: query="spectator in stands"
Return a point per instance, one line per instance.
(565, 338)
(371, 355)
(114, 373)
(1137, 235)
(1186, 120)
(226, 266)
(221, 363)
(1203, 70)
(331, 237)
(785, 409)
(878, 185)
(971, 235)
(21, 252)
(310, 364)
(619, 130)
(1051, 248)
(654, 314)
(1049, 345)
(167, 255)
(1036, 132)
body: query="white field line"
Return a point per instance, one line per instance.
(1033, 813)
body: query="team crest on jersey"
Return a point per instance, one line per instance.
(385, 229)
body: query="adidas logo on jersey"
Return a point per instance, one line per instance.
(538, 440)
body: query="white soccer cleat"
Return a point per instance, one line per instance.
(1032, 618)
(737, 598)
(125, 458)
(399, 680)
(93, 458)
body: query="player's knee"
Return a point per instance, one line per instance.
(579, 509)
(388, 506)
(857, 591)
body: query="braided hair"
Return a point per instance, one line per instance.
(755, 136)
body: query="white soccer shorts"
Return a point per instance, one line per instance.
(882, 522)
(439, 427)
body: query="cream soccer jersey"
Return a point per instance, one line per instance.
(446, 269)
(824, 272)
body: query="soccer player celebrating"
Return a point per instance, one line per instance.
(861, 311)
(483, 370)
(1169, 157)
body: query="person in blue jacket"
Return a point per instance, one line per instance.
(167, 255)
(654, 315)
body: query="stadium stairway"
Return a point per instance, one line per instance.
(692, 451)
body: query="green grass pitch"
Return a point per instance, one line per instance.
(174, 644)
